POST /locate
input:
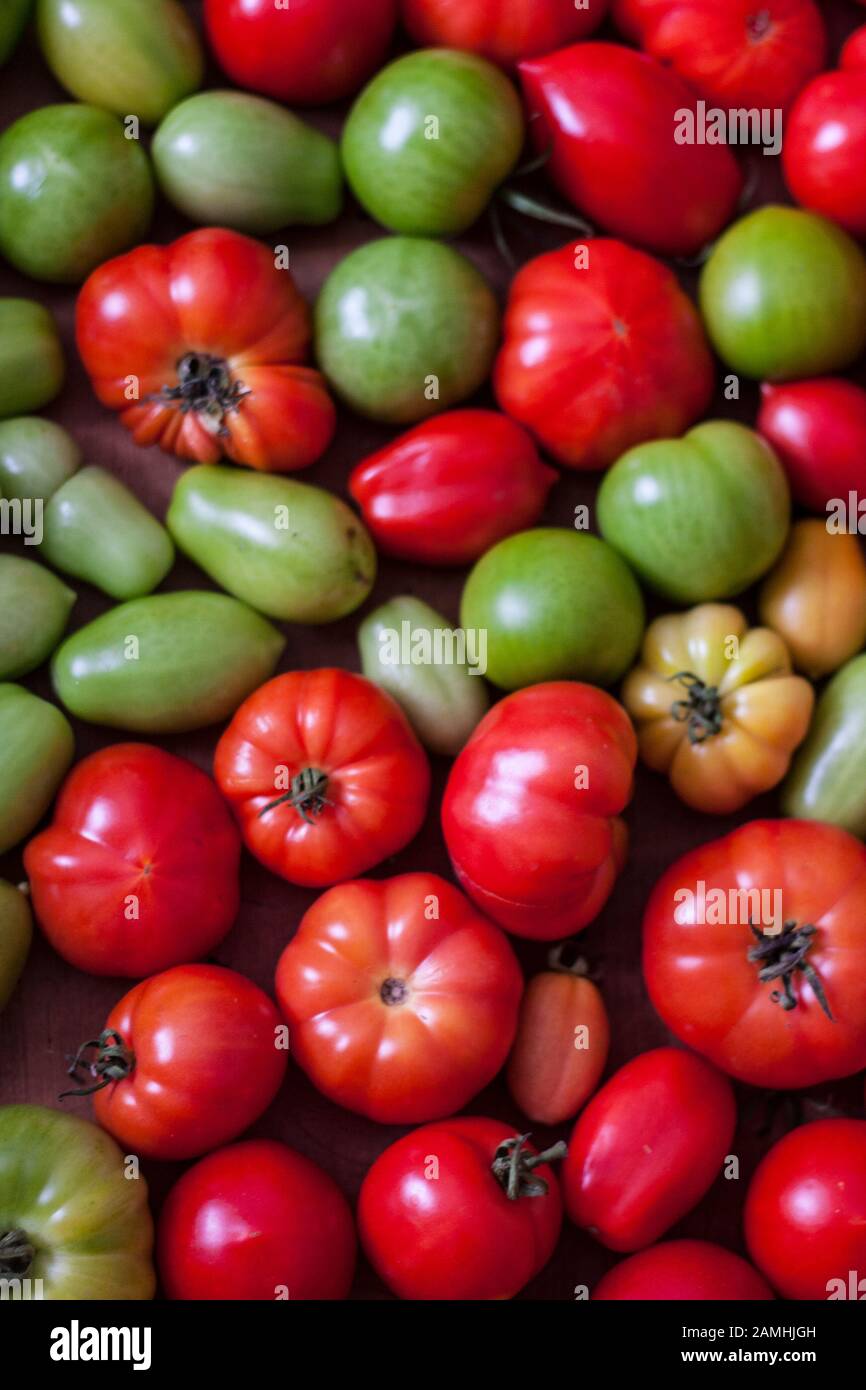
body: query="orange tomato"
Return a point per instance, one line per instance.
(815, 598)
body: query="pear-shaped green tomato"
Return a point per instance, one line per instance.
(37, 747)
(74, 191)
(34, 610)
(97, 530)
(430, 139)
(13, 17)
(166, 664)
(32, 368)
(36, 458)
(132, 57)
(16, 932)
(234, 160)
(828, 778)
(293, 551)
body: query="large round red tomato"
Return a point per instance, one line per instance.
(324, 774)
(256, 1221)
(648, 1147)
(401, 999)
(602, 350)
(199, 345)
(683, 1270)
(139, 868)
(308, 52)
(818, 430)
(464, 1209)
(755, 952)
(805, 1212)
(824, 154)
(187, 1060)
(531, 812)
(502, 30)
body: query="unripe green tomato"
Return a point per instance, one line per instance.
(34, 610)
(16, 933)
(234, 160)
(13, 17)
(38, 747)
(442, 699)
(32, 368)
(827, 780)
(36, 458)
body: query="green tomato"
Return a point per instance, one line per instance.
(13, 18)
(166, 664)
(36, 458)
(411, 651)
(827, 780)
(430, 139)
(293, 551)
(405, 328)
(783, 294)
(16, 932)
(38, 747)
(700, 517)
(132, 57)
(555, 605)
(34, 611)
(235, 160)
(32, 368)
(70, 1213)
(74, 191)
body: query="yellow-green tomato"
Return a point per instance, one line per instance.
(16, 932)
(827, 781)
(32, 368)
(37, 747)
(34, 610)
(36, 458)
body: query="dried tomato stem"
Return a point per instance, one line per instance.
(307, 795)
(701, 711)
(779, 957)
(114, 1061)
(513, 1167)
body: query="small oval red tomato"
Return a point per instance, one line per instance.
(464, 1209)
(824, 154)
(531, 809)
(452, 487)
(818, 430)
(256, 1221)
(401, 999)
(324, 775)
(199, 345)
(648, 1147)
(139, 868)
(187, 1060)
(502, 30)
(684, 1271)
(805, 1215)
(853, 53)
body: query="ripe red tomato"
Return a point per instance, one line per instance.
(609, 117)
(785, 1008)
(824, 155)
(452, 487)
(502, 30)
(853, 53)
(683, 1271)
(805, 1216)
(600, 358)
(199, 345)
(256, 1221)
(187, 1060)
(324, 775)
(460, 1210)
(139, 868)
(531, 812)
(308, 52)
(818, 430)
(648, 1147)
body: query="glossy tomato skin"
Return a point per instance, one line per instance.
(561, 1046)
(460, 1237)
(824, 154)
(648, 1147)
(139, 868)
(805, 1216)
(505, 31)
(683, 1270)
(340, 725)
(256, 1220)
(853, 54)
(308, 53)
(212, 304)
(531, 812)
(818, 430)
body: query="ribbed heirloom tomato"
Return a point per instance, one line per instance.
(502, 30)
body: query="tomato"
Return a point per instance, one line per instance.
(485, 1226)
(648, 1147)
(36, 458)
(324, 775)
(825, 148)
(32, 366)
(531, 812)
(853, 54)
(38, 746)
(13, 18)
(716, 706)
(16, 932)
(212, 335)
(401, 999)
(256, 1221)
(602, 350)
(755, 952)
(502, 30)
(828, 778)
(34, 611)
(805, 1215)
(610, 116)
(307, 53)
(815, 598)
(818, 429)
(685, 1271)
(187, 1060)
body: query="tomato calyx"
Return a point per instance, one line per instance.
(780, 956)
(306, 794)
(513, 1166)
(563, 959)
(205, 385)
(758, 25)
(114, 1061)
(701, 711)
(16, 1254)
(394, 991)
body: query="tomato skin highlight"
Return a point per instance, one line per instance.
(685, 1271)
(818, 429)
(549, 1076)
(505, 31)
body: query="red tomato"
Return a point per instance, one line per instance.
(609, 117)
(683, 1271)
(531, 810)
(401, 1000)
(460, 1210)
(784, 1008)
(199, 346)
(648, 1147)
(818, 430)
(452, 487)
(308, 52)
(324, 775)
(805, 1217)
(502, 30)
(139, 868)
(187, 1060)
(824, 155)
(256, 1221)
(599, 358)
(853, 53)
